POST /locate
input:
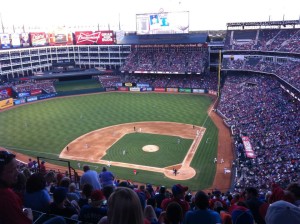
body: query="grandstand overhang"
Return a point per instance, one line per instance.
(265, 24)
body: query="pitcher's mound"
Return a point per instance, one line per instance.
(150, 148)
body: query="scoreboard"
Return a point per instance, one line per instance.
(162, 23)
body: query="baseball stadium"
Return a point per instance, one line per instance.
(217, 111)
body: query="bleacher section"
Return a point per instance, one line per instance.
(167, 60)
(260, 100)
(278, 40)
(257, 107)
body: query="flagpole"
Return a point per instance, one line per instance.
(3, 29)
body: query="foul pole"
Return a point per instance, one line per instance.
(219, 72)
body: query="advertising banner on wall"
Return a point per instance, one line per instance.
(25, 40)
(6, 91)
(212, 92)
(60, 36)
(109, 89)
(198, 91)
(145, 89)
(35, 92)
(46, 96)
(31, 98)
(185, 90)
(19, 101)
(159, 89)
(142, 85)
(23, 94)
(6, 103)
(248, 147)
(123, 88)
(134, 89)
(5, 40)
(38, 39)
(15, 40)
(172, 90)
(94, 37)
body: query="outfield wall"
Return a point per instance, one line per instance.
(27, 98)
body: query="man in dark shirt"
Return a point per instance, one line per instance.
(94, 211)
(254, 204)
(11, 211)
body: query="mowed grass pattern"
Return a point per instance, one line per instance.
(46, 127)
(169, 153)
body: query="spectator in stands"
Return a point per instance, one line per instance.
(20, 186)
(50, 179)
(94, 211)
(90, 177)
(42, 168)
(150, 190)
(73, 194)
(107, 191)
(36, 196)
(178, 196)
(124, 208)
(294, 189)
(27, 173)
(202, 213)
(150, 214)
(152, 202)
(216, 197)
(143, 195)
(30, 163)
(61, 205)
(282, 212)
(172, 215)
(106, 178)
(254, 204)
(225, 216)
(241, 214)
(160, 196)
(10, 203)
(85, 195)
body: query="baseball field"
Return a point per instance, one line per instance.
(121, 130)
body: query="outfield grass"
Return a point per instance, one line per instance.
(76, 85)
(45, 128)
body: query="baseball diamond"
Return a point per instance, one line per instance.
(92, 146)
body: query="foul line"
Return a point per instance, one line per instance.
(209, 113)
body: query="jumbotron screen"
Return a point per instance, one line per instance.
(162, 23)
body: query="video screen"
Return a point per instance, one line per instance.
(162, 23)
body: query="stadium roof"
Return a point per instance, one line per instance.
(282, 23)
(197, 38)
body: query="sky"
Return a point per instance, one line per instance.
(203, 15)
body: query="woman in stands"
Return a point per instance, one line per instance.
(124, 207)
(37, 196)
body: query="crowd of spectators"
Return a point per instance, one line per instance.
(256, 106)
(279, 40)
(288, 70)
(167, 60)
(109, 80)
(103, 199)
(203, 81)
(45, 85)
(175, 81)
